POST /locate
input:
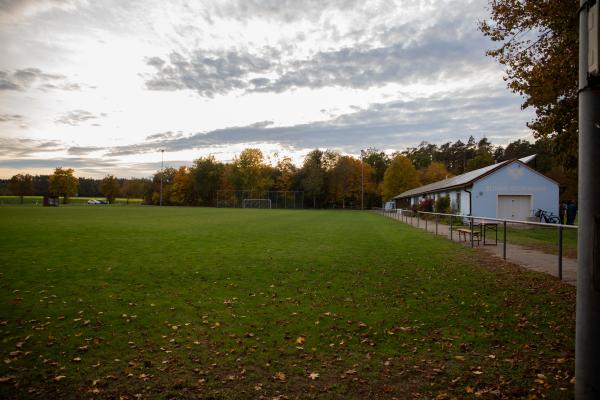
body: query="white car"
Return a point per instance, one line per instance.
(94, 201)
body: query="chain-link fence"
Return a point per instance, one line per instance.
(260, 198)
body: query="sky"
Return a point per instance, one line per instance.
(104, 86)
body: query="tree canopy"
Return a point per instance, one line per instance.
(538, 45)
(63, 183)
(400, 176)
(21, 185)
(110, 188)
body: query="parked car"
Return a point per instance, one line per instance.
(95, 201)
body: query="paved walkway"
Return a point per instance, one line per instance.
(531, 259)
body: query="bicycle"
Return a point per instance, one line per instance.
(547, 217)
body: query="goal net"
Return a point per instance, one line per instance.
(256, 203)
(260, 198)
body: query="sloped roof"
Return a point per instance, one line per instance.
(460, 180)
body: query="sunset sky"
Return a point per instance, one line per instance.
(102, 86)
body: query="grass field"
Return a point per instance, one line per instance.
(149, 302)
(38, 200)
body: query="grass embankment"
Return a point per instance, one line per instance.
(219, 303)
(540, 238)
(543, 239)
(38, 200)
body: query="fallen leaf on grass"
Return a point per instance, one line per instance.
(279, 376)
(313, 375)
(459, 358)
(6, 378)
(469, 389)
(58, 378)
(301, 340)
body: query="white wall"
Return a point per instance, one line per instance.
(516, 179)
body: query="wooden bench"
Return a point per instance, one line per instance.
(464, 232)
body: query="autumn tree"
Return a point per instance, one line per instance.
(133, 188)
(250, 172)
(346, 181)
(110, 188)
(312, 175)
(399, 177)
(378, 161)
(207, 174)
(181, 191)
(286, 174)
(538, 45)
(436, 171)
(63, 183)
(518, 149)
(484, 156)
(21, 185)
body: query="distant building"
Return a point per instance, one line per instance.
(508, 190)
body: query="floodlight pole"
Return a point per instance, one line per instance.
(362, 180)
(162, 152)
(587, 336)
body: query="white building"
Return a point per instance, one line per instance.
(508, 190)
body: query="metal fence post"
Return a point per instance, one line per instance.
(418, 222)
(451, 227)
(504, 240)
(560, 251)
(425, 222)
(471, 223)
(437, 219)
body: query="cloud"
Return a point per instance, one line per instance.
(76, 117)
(16, 10)
(22, 79)
(25, 147)
(164, 135)
(83, 150)
(208, 73)
(401, 54)
(284, 10)
(395, 124)
(11, 118)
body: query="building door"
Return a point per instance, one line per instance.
(517, 207)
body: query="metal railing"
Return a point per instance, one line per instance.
(403, 215)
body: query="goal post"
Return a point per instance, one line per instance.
(256, 203)
(282, 199)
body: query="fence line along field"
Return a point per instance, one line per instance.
(148, 302)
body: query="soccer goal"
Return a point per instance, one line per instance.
(256, 203)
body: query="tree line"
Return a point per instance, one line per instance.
(63, 183)
(328, 178)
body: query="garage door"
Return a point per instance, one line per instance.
(514, 207)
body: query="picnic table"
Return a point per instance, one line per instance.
(487, 226)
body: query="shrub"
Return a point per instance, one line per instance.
(426, 205)
(442, 204)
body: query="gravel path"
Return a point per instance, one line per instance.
(532, 259)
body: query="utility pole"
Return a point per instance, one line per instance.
(587, 342)
(362, 180)
(162, 152)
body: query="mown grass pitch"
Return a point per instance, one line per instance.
(102, 302)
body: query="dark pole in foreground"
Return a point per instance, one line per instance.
(587, 341)
(560, 251)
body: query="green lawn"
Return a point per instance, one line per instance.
(38, 200)
(235, 303)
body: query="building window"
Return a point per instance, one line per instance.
(458, 201)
